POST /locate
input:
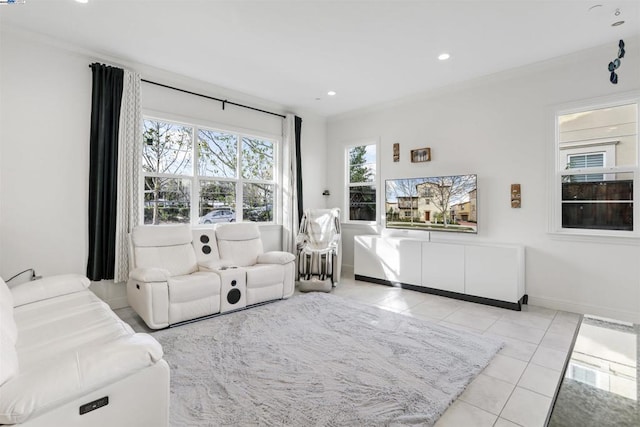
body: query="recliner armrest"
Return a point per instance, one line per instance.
(212, 265)
(276, 257)
(48, 287)
(150, 274)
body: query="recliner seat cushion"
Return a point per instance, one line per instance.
(193, 286)
(262, 275)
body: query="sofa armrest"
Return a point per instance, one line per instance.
(48, 287)
(75, 374)
(276, 257)
(213, 265)
(150, 274)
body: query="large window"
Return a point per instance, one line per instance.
(230, 176)
(596, 184)
(361, 182)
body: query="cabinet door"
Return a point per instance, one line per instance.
(375, 257)
(443, 266)
(410, 270)
(492, 272)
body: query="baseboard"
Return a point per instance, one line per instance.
(517, 306)
(574, 307)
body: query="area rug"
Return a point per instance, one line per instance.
(318, 360)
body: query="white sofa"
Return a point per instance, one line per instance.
(64, 352)
(178, 274)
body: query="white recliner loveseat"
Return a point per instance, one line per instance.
(66, 359)
(179, 274)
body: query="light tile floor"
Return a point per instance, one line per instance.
(517, 387)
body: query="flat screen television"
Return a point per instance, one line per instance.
(438, 203)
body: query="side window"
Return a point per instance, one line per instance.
(362, 182)
(597, 170)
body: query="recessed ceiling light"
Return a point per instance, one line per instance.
(444, 56)
(82, 1)
(615, 24)
(331, 93)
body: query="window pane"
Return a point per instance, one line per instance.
(166, 148)
(257, 202)
(605, 204)
(362, 203)
(257, 159)
(217, 202)
(166, 200)
(217, 154)
(362, 164)
(615, 125)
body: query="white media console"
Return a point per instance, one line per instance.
(485, 273)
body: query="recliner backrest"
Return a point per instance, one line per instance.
(239, 242)
(164, 246)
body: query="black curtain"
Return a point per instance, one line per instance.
(298, 126)
(103, 170)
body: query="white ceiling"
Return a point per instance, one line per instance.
(293, 52)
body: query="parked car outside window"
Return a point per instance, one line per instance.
(218, 215)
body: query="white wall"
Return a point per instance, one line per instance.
(500, 127)
(45, 88)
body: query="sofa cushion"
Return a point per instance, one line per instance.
(239, 243)
(48, 287)
(193, 286)
(177, 260)
(262, 275)
(60, 325)
(166, 246)
(240, 253)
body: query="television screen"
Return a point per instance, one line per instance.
(439, 203)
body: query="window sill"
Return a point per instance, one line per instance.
(627, 239)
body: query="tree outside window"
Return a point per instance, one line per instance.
(362, 190)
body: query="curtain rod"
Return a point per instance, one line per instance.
(223, 101)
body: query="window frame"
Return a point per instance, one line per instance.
(239, 181)
(606, 145)
(375, 183)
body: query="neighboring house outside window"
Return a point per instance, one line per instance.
(596, 187)
(362, 187)
(195, 174)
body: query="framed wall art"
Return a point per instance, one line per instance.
(421, 155)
